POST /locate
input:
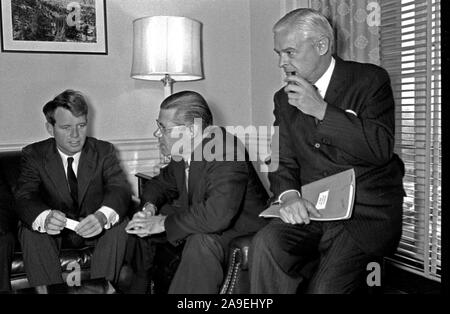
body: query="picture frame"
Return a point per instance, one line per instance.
(54, 26)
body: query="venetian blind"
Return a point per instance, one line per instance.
(410, 50)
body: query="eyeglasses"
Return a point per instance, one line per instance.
(162, 130)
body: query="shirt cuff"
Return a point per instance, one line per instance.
(285, 192)
(162, 223)
(111, 216)
(39, 223)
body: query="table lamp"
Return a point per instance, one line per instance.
(167, 49)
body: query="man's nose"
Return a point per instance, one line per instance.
(74, 132)
(282, 60)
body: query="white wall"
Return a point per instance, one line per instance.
(240, 67)
(266, 78)
(266, 75)
(124, 108)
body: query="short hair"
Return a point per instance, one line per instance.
(72, 100)
(307, 20)
(189, 105)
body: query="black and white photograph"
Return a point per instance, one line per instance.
(76, 26)
(217, 155)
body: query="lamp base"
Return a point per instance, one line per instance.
(168, 84)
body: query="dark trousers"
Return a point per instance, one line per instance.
(140, 257)
(41, 253)
(6, 253)
(280, 251)
(200, 269)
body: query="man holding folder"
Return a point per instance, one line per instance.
(333, 115)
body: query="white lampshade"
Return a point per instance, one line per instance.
(167, 45)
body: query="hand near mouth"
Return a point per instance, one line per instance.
(305, 97)
(289, 76)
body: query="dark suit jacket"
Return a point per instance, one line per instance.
(7, 216)
(223, 195)
(42, 183)
(365, 142)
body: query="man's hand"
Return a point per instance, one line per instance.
(55, 222)
(142, 214)
(296, 210)
(92, 225)
(305, 97)
(144, 225)
(149, 208)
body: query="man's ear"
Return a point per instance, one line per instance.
(49, 128)
(323, 45)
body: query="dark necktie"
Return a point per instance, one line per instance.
(72, 179)
(315, 119)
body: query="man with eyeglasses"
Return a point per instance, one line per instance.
(219, 196)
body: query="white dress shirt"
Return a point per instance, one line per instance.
(322, 86)
(111, 215)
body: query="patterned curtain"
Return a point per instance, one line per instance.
(356, 25)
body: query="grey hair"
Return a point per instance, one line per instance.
(307, 20)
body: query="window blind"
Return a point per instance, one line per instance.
(410, 50)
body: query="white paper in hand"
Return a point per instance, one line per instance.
(71, 224)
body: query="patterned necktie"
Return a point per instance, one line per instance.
(73, 183)
(315, 119)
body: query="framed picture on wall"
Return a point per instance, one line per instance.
(54, 26)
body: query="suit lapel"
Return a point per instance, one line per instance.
(86, 169)
(180, 179)
(195, 175)
(196, 167)
(337, 82)
(55, 169)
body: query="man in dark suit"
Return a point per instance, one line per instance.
(332, 115)
(71, 176)
(220, 200)
(8, 223)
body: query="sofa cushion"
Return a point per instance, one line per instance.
(10, 167)
(81, 256)
(8, 218)
(9, 171)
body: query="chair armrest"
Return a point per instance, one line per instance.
(236, 280)
(242, 244)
